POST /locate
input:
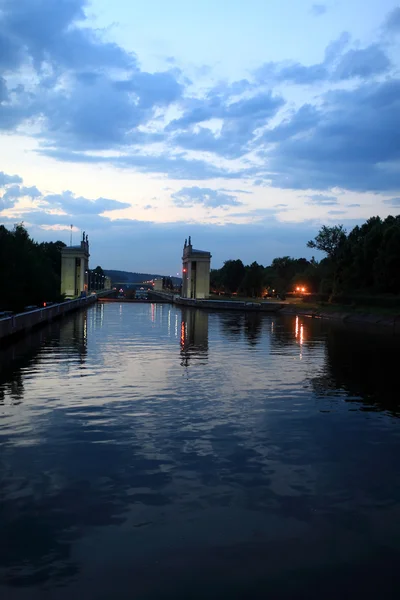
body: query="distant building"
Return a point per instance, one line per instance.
(158, 285)
(195, 272)
(107, 283)
(74, 269)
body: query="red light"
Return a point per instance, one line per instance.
(44, 304)
(184, 270)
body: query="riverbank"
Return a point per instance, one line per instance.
(374, 317)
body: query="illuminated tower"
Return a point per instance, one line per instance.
(195, 272)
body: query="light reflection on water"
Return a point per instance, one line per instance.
(151, 452)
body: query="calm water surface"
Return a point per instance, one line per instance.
(151, 452)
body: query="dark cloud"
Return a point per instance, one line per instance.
(7, 179)
(55, 33)
(392, 201)
(363, 63)
(175, 166)
(191, 196)
(318, 9)
(355, 63)
(352, 144)
(321, 199)
(298, 74)
(304, 119)
(240, 120)
(77, 205)
(90, 94)
(392, 21)
(86, 96)
(14, 192)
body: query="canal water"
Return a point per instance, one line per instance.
(149, 452)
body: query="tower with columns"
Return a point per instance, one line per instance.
(195, 272)
(74, 269)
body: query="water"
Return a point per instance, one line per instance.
(148, 452)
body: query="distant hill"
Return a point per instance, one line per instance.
(129, 277)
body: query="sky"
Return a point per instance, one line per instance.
(246, 125)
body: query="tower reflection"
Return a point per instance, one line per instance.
(193, 335)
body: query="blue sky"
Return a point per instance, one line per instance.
(244, 124)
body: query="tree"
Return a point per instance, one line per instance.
(329, 240)
(232, 274)
(252, 284)
(30, 272)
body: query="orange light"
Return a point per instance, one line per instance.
(303, 289)
(44, 304)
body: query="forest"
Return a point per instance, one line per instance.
(30, 272)
(362, 263)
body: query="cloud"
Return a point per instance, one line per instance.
(7, 179)
(318, 9)
(363, 63)
(336, 212)
(392, 21)
(351, 143)
(321, 200)
(14, 192)
(239, 119)
(175, 166)
(85, 93)
(56, 34)
(77, 205)
(392, 201)
(355, 63)
(190, 196)
(354, 205)
(298, 74)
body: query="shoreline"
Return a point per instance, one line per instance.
(368, 320)
(365, 319)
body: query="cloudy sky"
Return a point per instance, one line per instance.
(246, 125)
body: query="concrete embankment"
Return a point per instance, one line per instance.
(388, 323)
(135, 300)
(24, 322)
(265, 307)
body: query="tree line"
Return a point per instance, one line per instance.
(30, 272)
(364, 261)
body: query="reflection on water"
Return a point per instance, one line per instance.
(153, 452)
(194, 335)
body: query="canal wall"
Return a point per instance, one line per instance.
(24, 322)
(264, 307)
(388, 323)
(135, 300)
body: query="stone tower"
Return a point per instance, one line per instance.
(74, 269)
(195, 272)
